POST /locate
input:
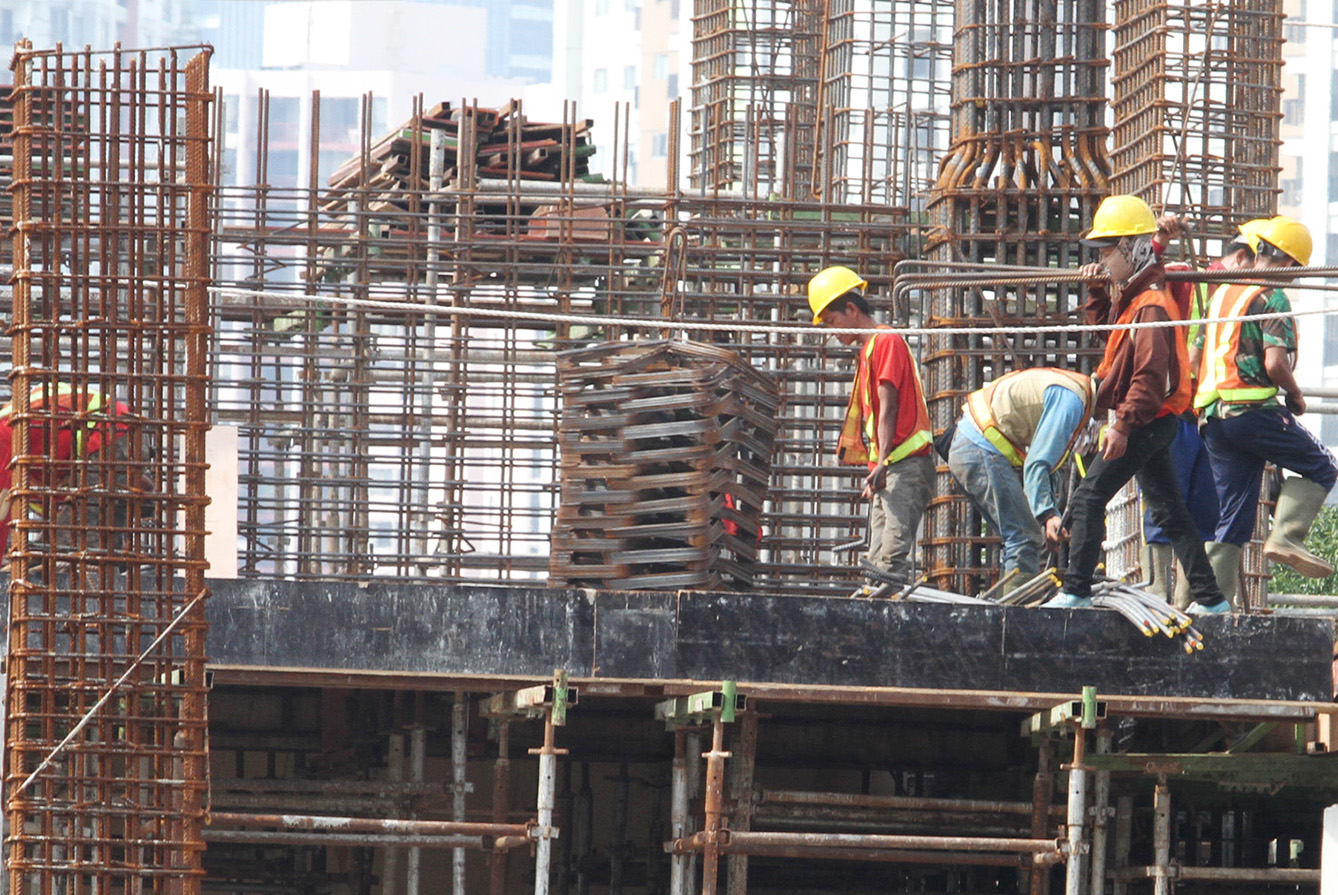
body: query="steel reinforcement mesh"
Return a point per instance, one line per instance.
(380, 437)
(755, 76)
(105, 731)
(1197, 102)
(1026, 170)
(884, 99)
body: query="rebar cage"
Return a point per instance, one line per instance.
(105, 732)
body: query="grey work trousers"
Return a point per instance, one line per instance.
(894, 517)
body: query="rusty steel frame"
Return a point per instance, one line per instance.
(884, 99)
(1197, 91)
(1197, 102)
(756, 67)
(376, 440)
(105, 731)
(1025, 172)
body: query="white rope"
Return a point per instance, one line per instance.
(737, 326)
(97, 706)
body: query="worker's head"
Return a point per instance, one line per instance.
(1283, 242)
(1241, 250)
(1122, 231)
(832, 293)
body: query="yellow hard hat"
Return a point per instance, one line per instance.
(1250, 232)
(1290, 236)
(830, 284)
(1120, 216)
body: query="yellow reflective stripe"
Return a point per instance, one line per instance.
(1246, 395)
(917, 441)
(979, 405)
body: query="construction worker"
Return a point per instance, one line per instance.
(1027, 422)
(1188, 453)
(887, 421)
(1144, 382)
(84, 424)
(1242, 367)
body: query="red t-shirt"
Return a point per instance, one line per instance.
(891, 362)
(61, 452)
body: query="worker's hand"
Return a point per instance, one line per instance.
(1116, 444)
(1093, 271)
(1171, 224)
(1296, 402)
(1055, 533)
(876, 480)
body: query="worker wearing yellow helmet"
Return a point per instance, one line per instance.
(1249, 400)
(886, 427)
(1189, 455)
(1145, 385)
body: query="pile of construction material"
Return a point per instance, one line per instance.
(492, 143)
(665, 460)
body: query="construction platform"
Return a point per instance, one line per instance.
(433, 637)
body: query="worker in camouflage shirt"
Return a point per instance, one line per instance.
(1243, 365)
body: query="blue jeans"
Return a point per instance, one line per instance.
(995, 488)
(1240, 446)
(1193, 471)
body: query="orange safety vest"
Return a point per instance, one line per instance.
(856, 446)
(1178, 393)
(1219, 377)
(980, 404)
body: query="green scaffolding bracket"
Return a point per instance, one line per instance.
(702, 708)
(1085, 713)
(534, 702)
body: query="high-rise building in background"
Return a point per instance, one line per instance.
(1309, 181)
(623, 61)
(99, 24)
(355, 53)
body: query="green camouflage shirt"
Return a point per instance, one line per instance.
(1254, 338)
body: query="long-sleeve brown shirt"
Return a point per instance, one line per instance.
(1145, 368)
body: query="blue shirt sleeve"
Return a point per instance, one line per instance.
(1060, 415)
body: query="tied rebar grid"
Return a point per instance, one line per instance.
(1026, 170)
(756, 67)
(106, 730)
(1197, 93)
(379, 441)
(1197, 99)
(885, 99)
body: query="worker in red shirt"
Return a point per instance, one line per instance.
(78, 425)
(887, 421)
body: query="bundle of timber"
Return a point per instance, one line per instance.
(492, 143)
(665, 459)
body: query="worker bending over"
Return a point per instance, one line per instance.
(887, 422)
(1241, 369)
(1023, 422)
(82, 446)
(1188, 453)
(1145, 382)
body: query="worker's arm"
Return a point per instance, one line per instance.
(885, 427)
(1061, 414)
(1278, 366)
